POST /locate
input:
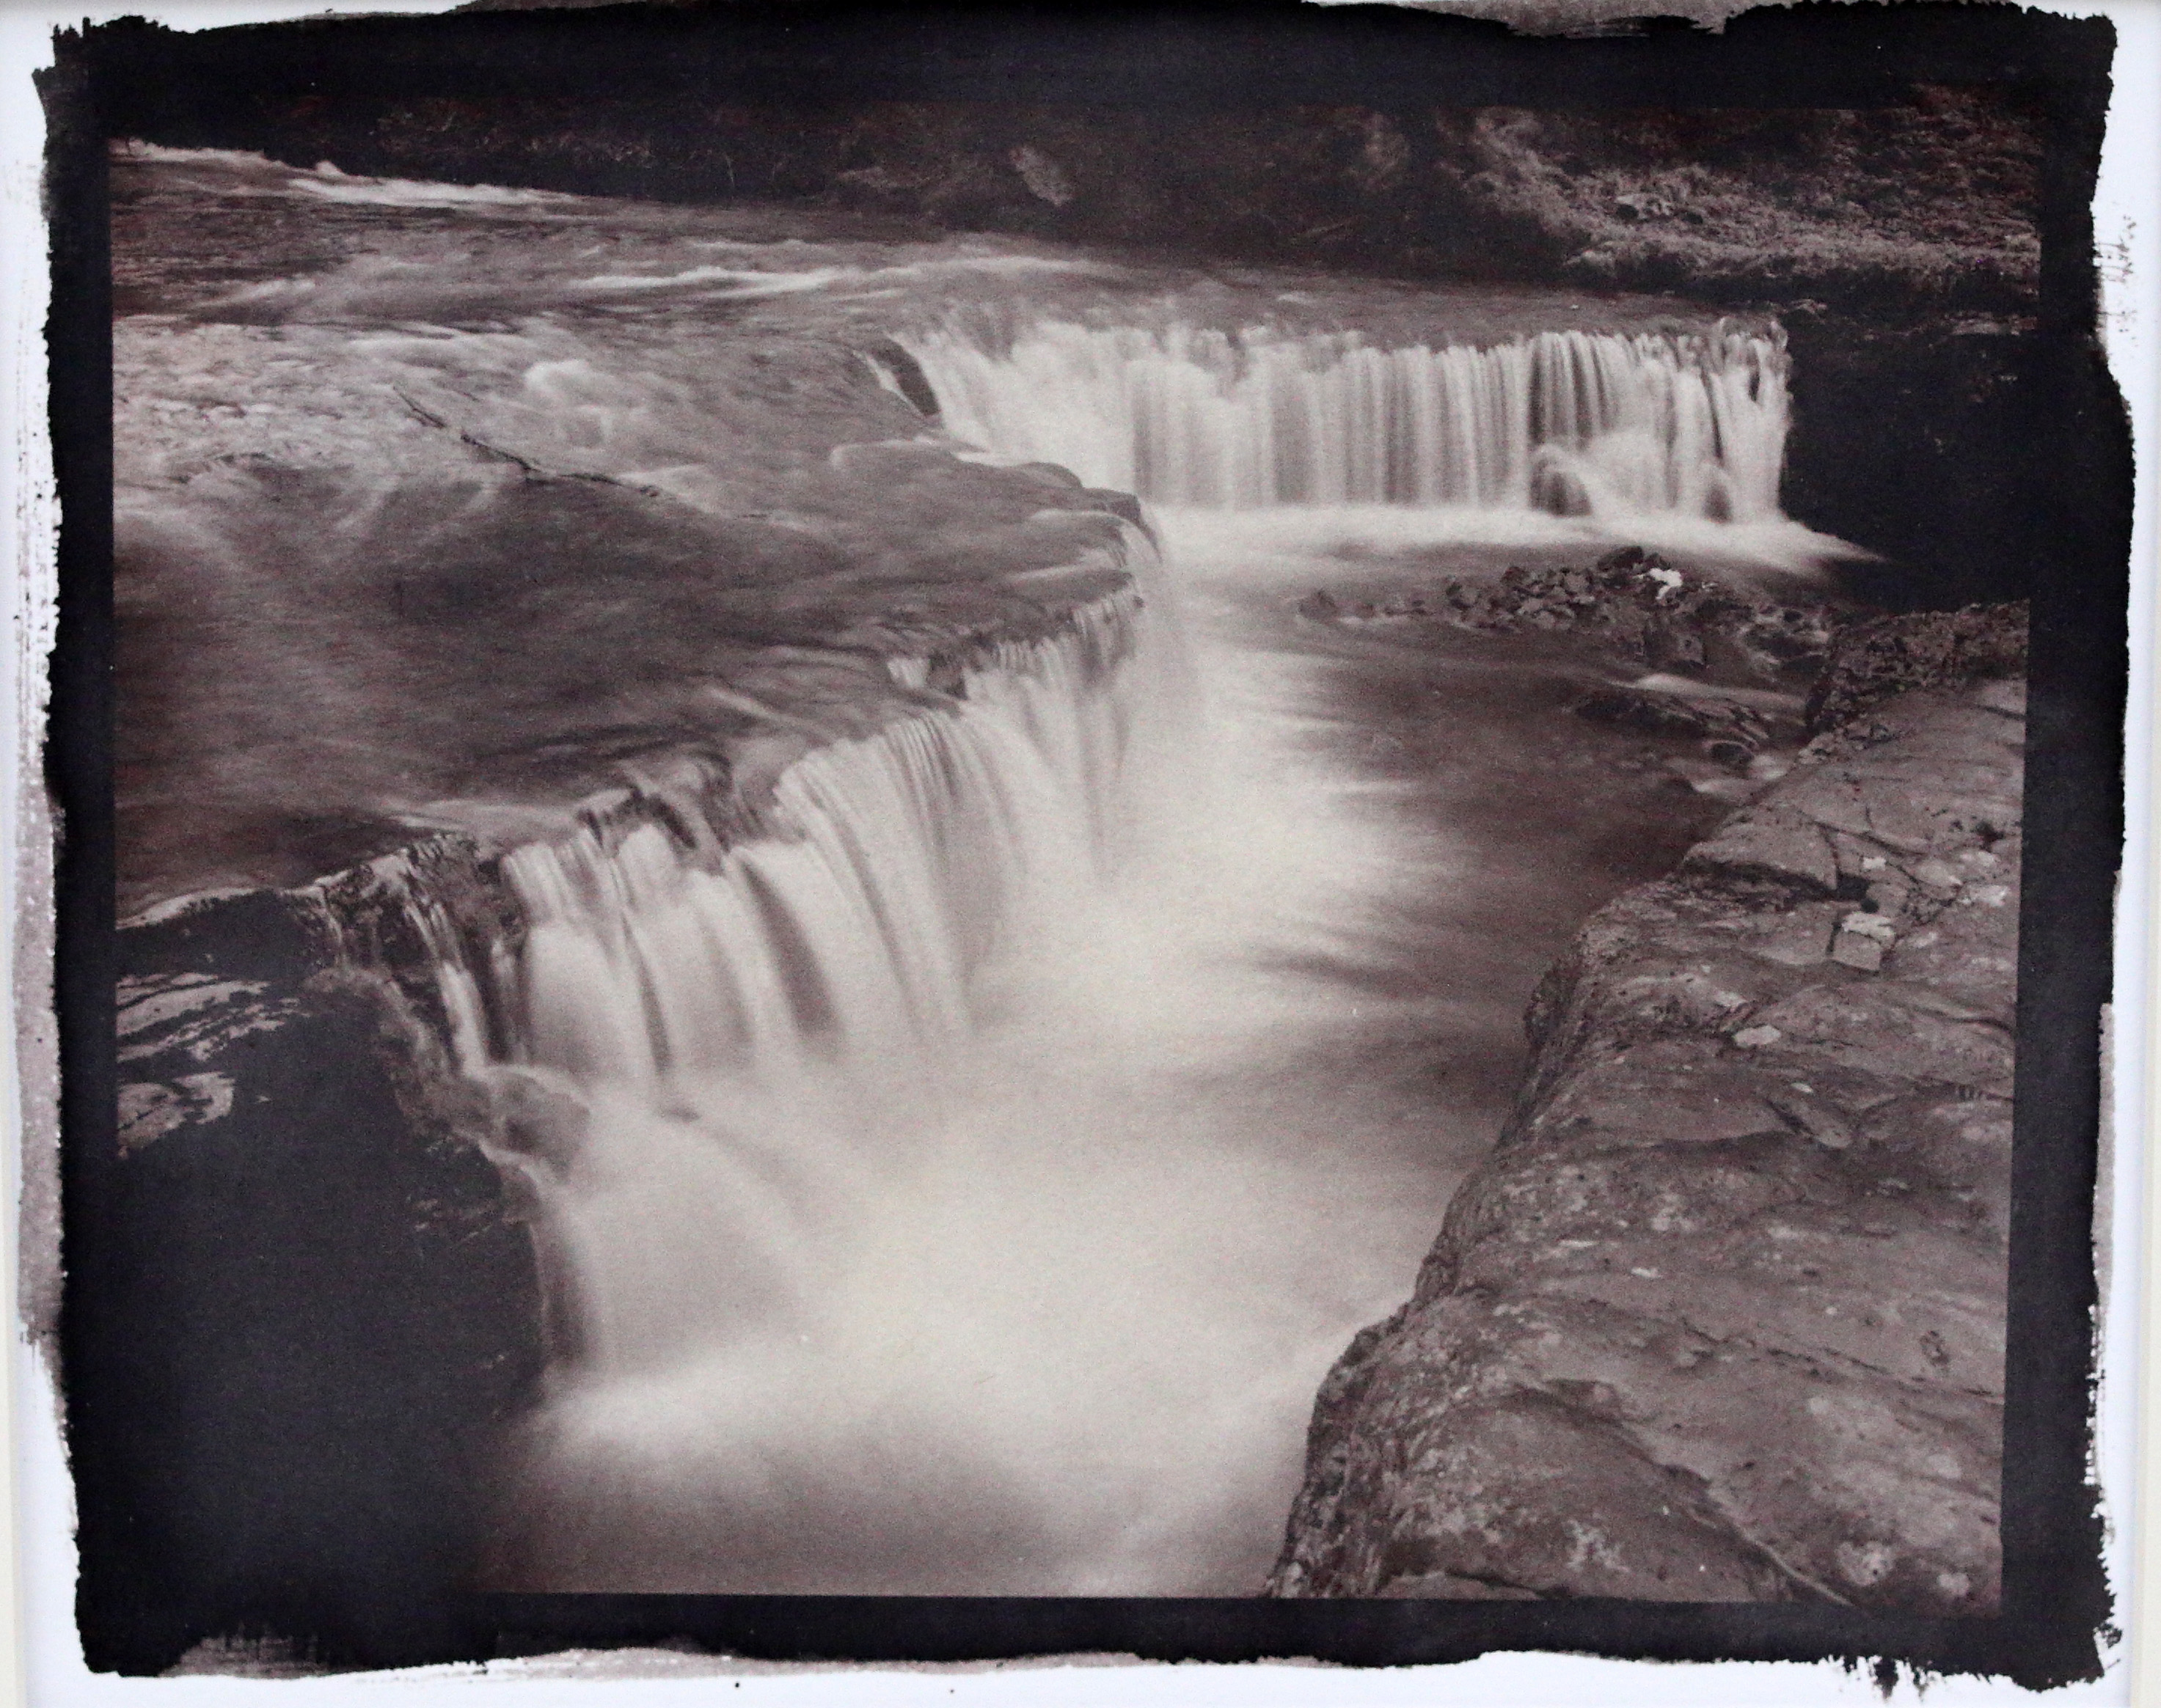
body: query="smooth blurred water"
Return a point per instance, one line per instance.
(1028, 1290)
(960, 1180)
(1572, 423)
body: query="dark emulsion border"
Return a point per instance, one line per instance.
(132, 78)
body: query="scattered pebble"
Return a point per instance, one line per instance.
(1871, 925)
(1756, 1037)
(1936, 875)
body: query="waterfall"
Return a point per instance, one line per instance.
(924, 1199)
(1572, 423)
(694, 1032)
(883, 872)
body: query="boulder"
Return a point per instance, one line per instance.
(318, 1305)
(1654, 713)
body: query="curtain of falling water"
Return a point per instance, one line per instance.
(1570, 422)
(677, 983)
(839, 1299)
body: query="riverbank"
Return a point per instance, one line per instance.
(1721, 1316)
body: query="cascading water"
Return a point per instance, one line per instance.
(780, 1101)
(1567, 422)
(955, 1158)
(957, 1182)
(847, 930)
(679, 1000)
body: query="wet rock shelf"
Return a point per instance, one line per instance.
(1721, 1318)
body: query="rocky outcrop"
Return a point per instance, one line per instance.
(1721, 1317)
(1872, 662)
(314, 1304)
(1639, 610)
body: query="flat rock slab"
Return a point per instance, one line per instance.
(1721, 1318)
(420, 526)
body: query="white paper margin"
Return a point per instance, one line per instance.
(43, 1666)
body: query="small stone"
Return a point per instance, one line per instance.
(1871, 925)
(1800, 939)
(1781, 846)
(1756, 1037)
(1865, 1564)
(1937, 876)
(1862, 954)
(1822, 1124)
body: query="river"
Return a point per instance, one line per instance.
(961, 1183)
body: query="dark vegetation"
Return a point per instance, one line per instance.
(1923, 204)
(1890, 220)
(1885, 204)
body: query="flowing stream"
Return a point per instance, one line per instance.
(963, 1185)
(1568, 422)
(957, 1177)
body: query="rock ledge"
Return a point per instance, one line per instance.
(1721, 1317)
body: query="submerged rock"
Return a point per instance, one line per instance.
(1726, 724)
(1721, 1317)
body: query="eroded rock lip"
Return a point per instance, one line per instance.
(1721, 1318)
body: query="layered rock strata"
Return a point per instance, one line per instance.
(1721, 1317)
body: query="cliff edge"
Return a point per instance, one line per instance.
(1721, 1317)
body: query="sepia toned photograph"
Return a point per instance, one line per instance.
(1225, 808)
